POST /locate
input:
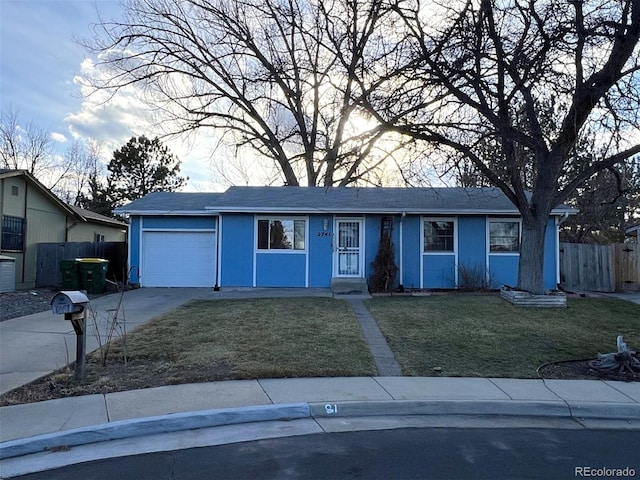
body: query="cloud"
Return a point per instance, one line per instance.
(112, 119)
(58, 137)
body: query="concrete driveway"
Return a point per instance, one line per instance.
(629, 296)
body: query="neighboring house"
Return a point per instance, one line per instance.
(634, 232)
(306, 237)
(31, 214)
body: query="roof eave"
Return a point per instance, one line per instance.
(107, 223)
(396, 211)
(165, 212)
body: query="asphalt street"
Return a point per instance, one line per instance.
(418, 453)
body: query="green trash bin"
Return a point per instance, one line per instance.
(70, 274)
(93, 272)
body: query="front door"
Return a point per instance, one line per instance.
(349, 259)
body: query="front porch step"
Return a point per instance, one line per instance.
(349, 286)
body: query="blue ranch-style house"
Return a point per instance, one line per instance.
(308, 236)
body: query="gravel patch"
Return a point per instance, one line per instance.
(25, 302)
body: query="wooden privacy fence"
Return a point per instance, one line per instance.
(600, 268)
(49, 255)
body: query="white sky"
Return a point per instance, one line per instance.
(39, 59)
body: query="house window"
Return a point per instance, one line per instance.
(15, 191)
(504, 236)
(438, 236)
(98, 237)
(12, 233)
(281, 234)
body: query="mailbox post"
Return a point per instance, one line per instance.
(74, 306)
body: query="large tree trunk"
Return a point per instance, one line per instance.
(531, 265)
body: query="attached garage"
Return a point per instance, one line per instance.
(178, 259)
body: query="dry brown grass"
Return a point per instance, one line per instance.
(219, 340)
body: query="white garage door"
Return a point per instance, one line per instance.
(178, 259)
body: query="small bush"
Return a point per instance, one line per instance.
(474, 277)
(384, 267)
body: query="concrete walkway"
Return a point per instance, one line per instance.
(383, 357)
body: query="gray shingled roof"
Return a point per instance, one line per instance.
(97, 218)
(171, 202)
(330, 200)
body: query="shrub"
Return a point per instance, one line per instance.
(383, 278)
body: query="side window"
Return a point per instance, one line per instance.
(13, 230)
(504, 236)
(438, 236)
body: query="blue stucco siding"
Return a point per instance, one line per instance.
(411, 251)
(439, 271)
(180, 223)
(320, 250)
(135, 223)
(503, 270)
(281, 269)
(237, 250)
(371, 242)
(472, 242)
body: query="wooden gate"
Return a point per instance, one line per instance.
(600, 268)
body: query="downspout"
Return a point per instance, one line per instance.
(216, 287)
(401, 249)
(69, 227)
(559, 221)
(1, 210)
(25, 245)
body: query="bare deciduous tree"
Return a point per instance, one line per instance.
(82, 162)
(25, 147)
(487, 69)
(283, 79)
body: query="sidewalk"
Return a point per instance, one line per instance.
(354, 396)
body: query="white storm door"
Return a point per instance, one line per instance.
(349, 259)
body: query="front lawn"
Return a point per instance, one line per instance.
(461, 334)
(484, 336)
(220, 340)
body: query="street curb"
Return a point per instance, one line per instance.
(152, 425)
(613, 411)
(233, 416)
(524, 408)
(440, 407)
